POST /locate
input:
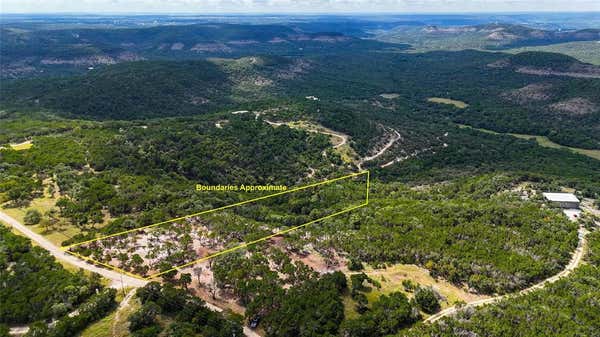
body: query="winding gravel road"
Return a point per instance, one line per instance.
(576, 260)
(343, 137)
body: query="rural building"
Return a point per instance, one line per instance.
(563, 200)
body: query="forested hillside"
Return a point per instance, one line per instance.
(568, 307)
(107, 129)
(503, 93)
(46, 52)
(157, 166)
(490, 36)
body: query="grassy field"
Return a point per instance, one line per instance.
(57, 233)
(22, 146)
(390, 95)
(458, 104)
(585, 51)
(543, 141)
(391, 281)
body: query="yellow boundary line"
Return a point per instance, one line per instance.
(240, 246)
(246, 244)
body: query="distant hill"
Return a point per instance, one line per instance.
(546, 64)
(148, 89)
(50, 52)
(129, 91)
(531, 93)
(488, 36)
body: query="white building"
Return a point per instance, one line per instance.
(563, 200)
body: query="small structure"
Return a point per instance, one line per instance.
(563, 200)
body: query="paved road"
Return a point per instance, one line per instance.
(115, 277)
(576, 259)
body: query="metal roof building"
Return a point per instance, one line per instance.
(564, 200)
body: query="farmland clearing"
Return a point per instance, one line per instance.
(448, 101)
(542, 141)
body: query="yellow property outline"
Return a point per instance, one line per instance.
(229, 250)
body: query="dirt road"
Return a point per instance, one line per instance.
(389, 144)
(576, 259)
(118, 280)
(115, 277)
(343, 138)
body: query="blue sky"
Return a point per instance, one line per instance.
(296, 6)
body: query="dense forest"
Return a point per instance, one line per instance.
(468, 232)
(187, 315)
(157, 167)
(568, 307)
(499, 97)
(139, 116)
(38, 289)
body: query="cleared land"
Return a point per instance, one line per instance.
(390, 95)
(456, 103)
(168, 246)
(55, 233)
(391, 279)
(22, 146)
(542, 141)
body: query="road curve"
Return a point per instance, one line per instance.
(332, 133)
(389, 144)
(576, 260)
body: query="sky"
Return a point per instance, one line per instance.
(294, 6)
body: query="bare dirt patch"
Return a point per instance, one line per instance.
(577, 71)
(530, 93)
(177, 46)
(575, 106)
(448, 101)
(390, 95)
(211, 48)
(80, 61)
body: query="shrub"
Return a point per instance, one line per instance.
(32, 217)
(426, 300)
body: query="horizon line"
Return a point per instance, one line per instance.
(339, 12)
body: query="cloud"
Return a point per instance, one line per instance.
(200, 6)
